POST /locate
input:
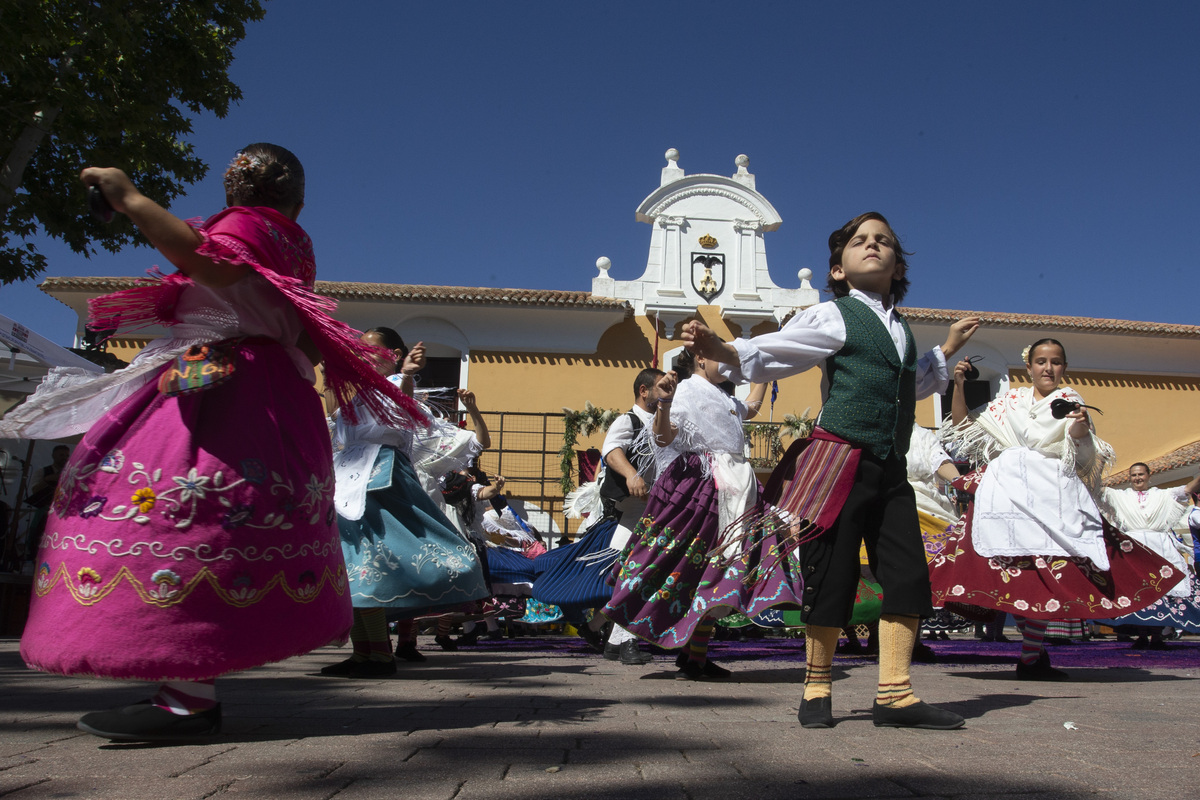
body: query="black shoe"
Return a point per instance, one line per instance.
(816, 713)
(1000, 637)
(852, 647)
(1142, 643)
(612, 652)
(495, 636)
(468, 639)
(146, 722)
(923, 653)
(945, 637)
(446, 643)
(918, 715)
(407, 651)
(986, 638)
(1157, 644)
(341, 669)
(1040, 670)
(632, 655)
(374, 669)
(593, 638)
(708, 670)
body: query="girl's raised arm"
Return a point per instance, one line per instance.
(170, 235)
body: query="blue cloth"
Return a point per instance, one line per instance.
(509, 566)
(404, 553)
(575, 577)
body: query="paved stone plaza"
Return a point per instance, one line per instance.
(546, 720)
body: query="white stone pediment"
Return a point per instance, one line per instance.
(707, 248)
(711, 198)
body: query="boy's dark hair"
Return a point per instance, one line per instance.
(392, 341)
(265, 174)
(685, 365)
(1141, 464)
(841, 237)
(647, 377)
(1041, 342)
(58, 447)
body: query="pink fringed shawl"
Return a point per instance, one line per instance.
(279, 250)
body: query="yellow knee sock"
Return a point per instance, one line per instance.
(897, 635)
(819, 644)
(374, 621)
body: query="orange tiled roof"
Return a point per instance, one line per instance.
(1000, 319)
(1185, 456)
(348, 290)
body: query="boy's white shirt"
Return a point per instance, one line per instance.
(815, 334)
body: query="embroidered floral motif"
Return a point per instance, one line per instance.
(89, 582)
(166, 584)
(237, 516)
(144, 499)
(254, 471)
(93, 507)
(242, 587)
(112, 462)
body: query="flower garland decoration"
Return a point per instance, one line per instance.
(581, 423)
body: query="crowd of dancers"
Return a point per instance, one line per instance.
(215, 517)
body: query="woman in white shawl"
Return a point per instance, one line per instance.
(1033, 542)
(1150, 515)
(692, 558)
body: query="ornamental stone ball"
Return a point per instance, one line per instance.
(804, 275)
(672, 154)
(742, 161)
(603, 263)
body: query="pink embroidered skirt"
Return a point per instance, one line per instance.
(194, 535)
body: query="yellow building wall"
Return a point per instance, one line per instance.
(547, 382)
(1145, 416)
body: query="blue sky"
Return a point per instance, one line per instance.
(1035, 157)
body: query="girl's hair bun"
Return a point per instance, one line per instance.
(265, 174)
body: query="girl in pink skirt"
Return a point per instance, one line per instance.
(193, 532)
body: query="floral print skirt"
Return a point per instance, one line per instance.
(668, 579)
(404, 554)
(1180, 613)
(1047, 587)
(193, 535)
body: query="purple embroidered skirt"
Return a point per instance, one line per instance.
(194, 535)
(667, 579)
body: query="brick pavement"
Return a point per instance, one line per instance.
(559, 724)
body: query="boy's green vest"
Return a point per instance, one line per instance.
(872, 395)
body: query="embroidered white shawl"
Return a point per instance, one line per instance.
(1034, 498)
(1149, 518)
(709, 422)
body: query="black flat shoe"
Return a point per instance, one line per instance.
(146, 722)
(923, 653)
(918, 715)
(373, 669)
(446, 643)
(594, 639)
(709, 670)
(341, 669)
(407, 651)
(612, 652)
(1040, 670)
(629, 654)
(816, 713)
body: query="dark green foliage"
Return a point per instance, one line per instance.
(116, 84)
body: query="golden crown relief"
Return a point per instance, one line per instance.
(708, 242)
